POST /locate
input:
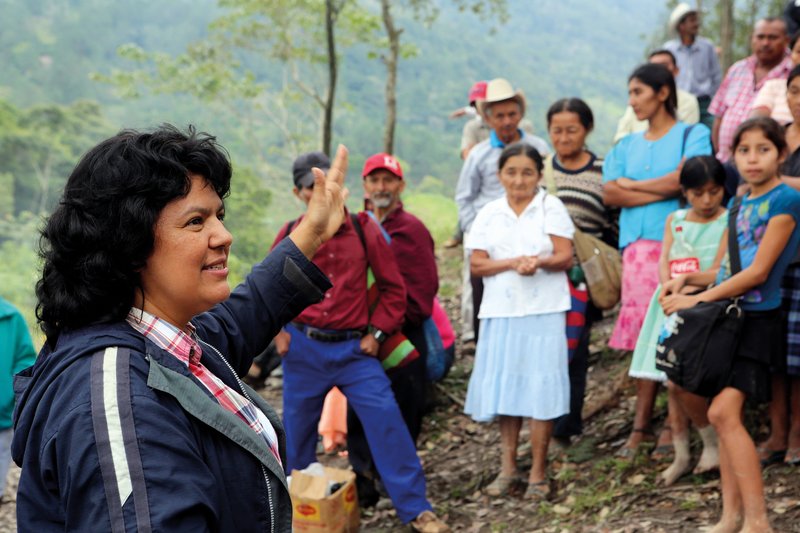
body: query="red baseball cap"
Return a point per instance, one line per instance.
(478, 91)
(382, 160)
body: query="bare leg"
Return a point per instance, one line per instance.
(540, 439)
(696, 408)
(509, 433)
(645, 399)
(778, 417)
(794, 419)
(679, 423)
(741, 482)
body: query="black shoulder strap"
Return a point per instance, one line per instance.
(290, 225)
(733, 241)
(359, 230)
(686, 133)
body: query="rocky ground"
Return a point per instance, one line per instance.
(594, 491)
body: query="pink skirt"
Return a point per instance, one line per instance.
(639, 281)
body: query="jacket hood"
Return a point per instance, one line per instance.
(31, 386)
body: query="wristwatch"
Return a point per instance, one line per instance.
(379, 335)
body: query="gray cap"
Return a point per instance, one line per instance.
(301, 169)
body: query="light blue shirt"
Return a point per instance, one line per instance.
(478, 184)
(700, 72)
(637, 158)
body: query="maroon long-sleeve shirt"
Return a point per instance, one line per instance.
(344, 261)
(413, 249)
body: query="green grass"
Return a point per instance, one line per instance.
(438, 212)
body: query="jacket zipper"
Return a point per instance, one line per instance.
(263, 470)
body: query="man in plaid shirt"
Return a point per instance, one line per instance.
(733, 101)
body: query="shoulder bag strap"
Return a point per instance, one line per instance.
(733, 241)
(549, 175)
(686, 133)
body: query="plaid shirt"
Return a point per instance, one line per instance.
(187, 350)
(734, 99)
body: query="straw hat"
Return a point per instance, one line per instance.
(500, 90)
(680, 11)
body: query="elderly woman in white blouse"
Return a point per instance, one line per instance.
(521, 245)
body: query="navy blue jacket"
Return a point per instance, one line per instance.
(114, 434)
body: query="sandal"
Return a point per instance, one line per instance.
(770, 457)
(502, 485)
(627, 453)
(662, 453)
(792, 457)
(538, 491)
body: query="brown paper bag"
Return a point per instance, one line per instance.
(313, 511)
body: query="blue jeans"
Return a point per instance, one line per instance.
(310, 369)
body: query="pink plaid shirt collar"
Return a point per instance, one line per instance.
(734, 99)
(181, 345)
(187, 350)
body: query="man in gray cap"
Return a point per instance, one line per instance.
(478, 185)
(698, 64)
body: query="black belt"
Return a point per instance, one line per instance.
(329, 336)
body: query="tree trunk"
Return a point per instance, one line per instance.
(726, 33)
(327, 110)
(391, 76)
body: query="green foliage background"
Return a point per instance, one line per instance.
(53, 108)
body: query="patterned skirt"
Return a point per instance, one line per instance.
(639, 281)
(791, 307)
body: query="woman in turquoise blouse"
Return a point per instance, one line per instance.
(640, 175)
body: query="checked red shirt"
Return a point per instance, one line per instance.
(187, 350)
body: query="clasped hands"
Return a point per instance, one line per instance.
(525, 265)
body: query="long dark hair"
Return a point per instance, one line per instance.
(657, 76)
(102, 232)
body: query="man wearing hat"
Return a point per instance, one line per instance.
(412, 246)
(698, 64)
(335, 343)
(503, 110)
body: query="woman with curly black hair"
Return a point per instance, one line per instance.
(134, 416)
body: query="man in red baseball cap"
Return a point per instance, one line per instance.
(412, 246)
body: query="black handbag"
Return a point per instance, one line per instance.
(697, 345)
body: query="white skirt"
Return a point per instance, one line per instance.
(521, 368)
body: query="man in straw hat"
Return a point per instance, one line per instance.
(698, 64)
(503, 109)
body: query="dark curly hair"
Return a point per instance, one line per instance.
(102, 232)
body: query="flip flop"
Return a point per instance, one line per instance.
(538, 492)
(792, 457)
(770, 457)
(662, 452)
(502, 485)
(627, 453)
